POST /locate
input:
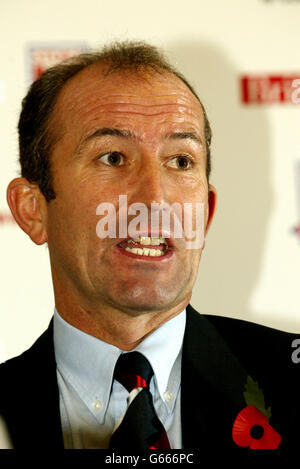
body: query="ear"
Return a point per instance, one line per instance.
(212, 205)
(28, 206)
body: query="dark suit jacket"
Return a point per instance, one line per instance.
(218, 355)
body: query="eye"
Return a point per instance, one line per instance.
(180, 162)
(113, 158)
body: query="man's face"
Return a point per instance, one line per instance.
(142, 137)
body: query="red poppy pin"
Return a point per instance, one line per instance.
(251, 427)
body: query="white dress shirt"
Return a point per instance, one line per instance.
(91, 402)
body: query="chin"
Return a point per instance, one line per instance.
(138, 300)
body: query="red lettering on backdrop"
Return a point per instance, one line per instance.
(268, 89)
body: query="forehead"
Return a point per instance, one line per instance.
(147, 101)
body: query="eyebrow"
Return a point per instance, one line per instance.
(127, 134)
(190, 135)
(110, 131)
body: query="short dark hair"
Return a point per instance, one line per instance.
(36, 138)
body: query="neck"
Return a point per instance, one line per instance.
(116, 327)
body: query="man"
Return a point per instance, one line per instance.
(124, 122)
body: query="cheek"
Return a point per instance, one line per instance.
(195, 210)
(194, 196)
(75, 214)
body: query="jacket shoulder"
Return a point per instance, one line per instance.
(27, 382)
(240, 330)
(30, 360)
(258, 339)
(256, 346)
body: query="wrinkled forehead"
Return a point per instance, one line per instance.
(92, 94)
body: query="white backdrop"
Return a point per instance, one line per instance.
(251, 264)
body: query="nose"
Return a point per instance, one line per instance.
(149, 185)
(151, 194)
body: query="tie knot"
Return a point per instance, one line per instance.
(133, 370)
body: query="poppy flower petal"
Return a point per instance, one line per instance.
(247, 419)
(270, 439)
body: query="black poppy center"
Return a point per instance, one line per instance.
(257, 432)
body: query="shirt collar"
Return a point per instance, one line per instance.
(88, 363)
(85, 362)
(162, 347)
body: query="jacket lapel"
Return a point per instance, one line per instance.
(39, 418)
(213, 382)
(48, 382)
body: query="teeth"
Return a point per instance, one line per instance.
(147, 241)
(153, 241)
(145, 252)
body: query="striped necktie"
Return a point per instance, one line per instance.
(140, 427)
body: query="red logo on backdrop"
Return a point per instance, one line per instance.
(6, 217)
(46, 55)
(269, 89)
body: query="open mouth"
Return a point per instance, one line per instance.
(146, 246)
